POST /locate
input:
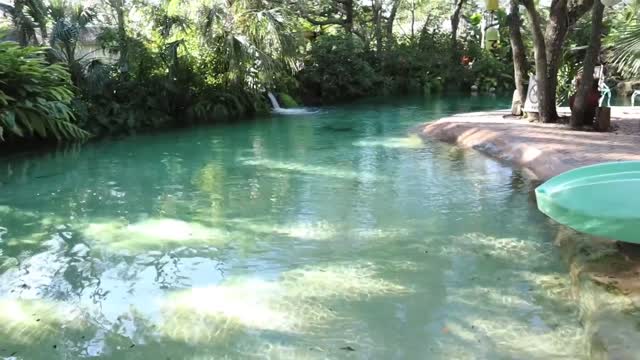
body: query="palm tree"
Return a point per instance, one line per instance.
(625, 41)
(27, 16)
(69, 21)
(256, 38)
(626, 51)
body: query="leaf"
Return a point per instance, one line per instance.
(9, 119)
(38, 126)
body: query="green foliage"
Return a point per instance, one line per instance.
(626, 50)
(337, 69)
(35, 96)
(491, 72)
(27, 17)
(69, 20)
(572, 58)
(287, 101)
(410, 66)
(177, 62)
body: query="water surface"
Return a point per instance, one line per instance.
(334, 235)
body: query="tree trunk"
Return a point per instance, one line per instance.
(518, 56)
(580, 108)
(561, 18)
(348, 11)
(540, 55)
(413, 19)
(377, 24)
(455, 22)
(18, 22)
(392, 18)
(123, 63)
(555, 35)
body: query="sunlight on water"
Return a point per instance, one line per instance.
(307, 231)
(152, 234)
(27, 322)
(313, 170)
(215, 313)
(327, 236)
(340, 281)
(509, 249)
(409, 142)
(293, 304)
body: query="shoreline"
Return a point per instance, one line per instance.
(543, 150)
(605, 274)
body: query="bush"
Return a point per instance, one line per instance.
(35, 96)
(286, 101)
(337, 70)
(489, 71)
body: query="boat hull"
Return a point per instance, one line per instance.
(601, 200)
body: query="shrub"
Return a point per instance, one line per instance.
(35, 96)
(337, 70)
(287, 101)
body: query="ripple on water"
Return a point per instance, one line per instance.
(283, 238)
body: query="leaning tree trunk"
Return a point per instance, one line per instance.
(540, 54)
(455, 22)
(413, 20)
(586, 85)
(391, 19)
(518, 56)
(562, 15)
(548, 47)
(377, 23)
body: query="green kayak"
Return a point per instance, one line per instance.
(601, 200)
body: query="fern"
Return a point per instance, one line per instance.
(35, 96)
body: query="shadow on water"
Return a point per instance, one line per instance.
(279, 238)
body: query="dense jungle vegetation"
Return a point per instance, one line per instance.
(76, 69)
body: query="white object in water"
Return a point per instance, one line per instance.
(295, 111)
(633, 97)
(274, 101)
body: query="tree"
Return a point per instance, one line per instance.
(391, 19)
(376, 17)
(593, 51)
(35, 96)
(323, 12)
(27, 16)
(119, 10)
(455, 23)
(563, 14)
(518, 54)
(69, 21)
(625, 41)
(250, 36)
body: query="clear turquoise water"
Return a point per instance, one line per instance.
(335, 235)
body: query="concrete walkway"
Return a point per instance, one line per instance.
(544, 149)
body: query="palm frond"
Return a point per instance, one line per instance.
(626, 51)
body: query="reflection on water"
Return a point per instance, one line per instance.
(333, 235)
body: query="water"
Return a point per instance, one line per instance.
(329, 236)
(273, 100)
(277, 110)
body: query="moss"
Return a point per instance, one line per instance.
(286, 101)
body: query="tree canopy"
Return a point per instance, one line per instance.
(136, 64)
